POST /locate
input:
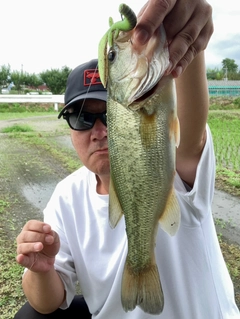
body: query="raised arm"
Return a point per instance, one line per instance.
(193, 104)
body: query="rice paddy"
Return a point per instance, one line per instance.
(225, 128)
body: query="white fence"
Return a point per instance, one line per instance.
(12, 98)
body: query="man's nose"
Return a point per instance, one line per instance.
(100, 128)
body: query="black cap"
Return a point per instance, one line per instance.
(84, 83)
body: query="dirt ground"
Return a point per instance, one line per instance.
(28, 175)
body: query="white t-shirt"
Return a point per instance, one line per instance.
(194, 277)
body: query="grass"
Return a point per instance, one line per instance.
(23, 115)
(18, 110)
(10, 272)
(17, 129)
(225, 127)
(26, 107)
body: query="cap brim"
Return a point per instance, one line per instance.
(99, 95)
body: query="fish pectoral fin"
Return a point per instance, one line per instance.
(170, 219)
(177, 131)
(115, 209)
(142, 289)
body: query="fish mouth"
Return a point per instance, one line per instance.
(146, 95)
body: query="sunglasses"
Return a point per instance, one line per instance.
(84, 120)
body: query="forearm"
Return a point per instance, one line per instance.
(44, 291)
(193, 104)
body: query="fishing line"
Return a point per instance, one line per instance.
(95, 71)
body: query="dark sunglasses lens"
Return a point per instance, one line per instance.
(76, 121)
(85, 120)
(103, 118)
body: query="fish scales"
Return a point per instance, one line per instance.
(143, 132)
(136, 171)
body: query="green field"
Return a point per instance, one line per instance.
(225, 128)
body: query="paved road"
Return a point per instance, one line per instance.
(227, 208)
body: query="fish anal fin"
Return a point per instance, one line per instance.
(170, 219)
(142, 289)
(115, 209)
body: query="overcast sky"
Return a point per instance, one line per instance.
(46, 34)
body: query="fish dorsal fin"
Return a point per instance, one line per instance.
(170, 219)
(115, 209)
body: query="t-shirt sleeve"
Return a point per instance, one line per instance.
(200, 197)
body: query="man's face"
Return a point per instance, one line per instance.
(91, 145)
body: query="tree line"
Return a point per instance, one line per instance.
(229, 71)
(56, 79)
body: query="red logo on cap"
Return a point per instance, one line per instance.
(91, 77)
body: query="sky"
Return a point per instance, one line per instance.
(48, 34)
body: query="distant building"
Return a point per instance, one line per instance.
(8, 89)
(224, 88)
(43, 87)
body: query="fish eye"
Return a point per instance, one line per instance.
(111, 55)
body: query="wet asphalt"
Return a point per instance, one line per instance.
(226, 211)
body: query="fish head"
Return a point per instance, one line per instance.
(127, 23)
(134, 72)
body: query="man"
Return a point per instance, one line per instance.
(75, 241)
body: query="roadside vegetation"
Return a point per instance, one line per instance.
(224, 121)
(20, 110)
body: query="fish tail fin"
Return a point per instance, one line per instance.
(142, 289)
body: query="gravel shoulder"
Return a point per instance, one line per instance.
(29, 174)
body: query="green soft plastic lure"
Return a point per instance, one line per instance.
(127, 23)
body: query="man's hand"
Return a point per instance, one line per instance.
(37, 246)
(188, 25)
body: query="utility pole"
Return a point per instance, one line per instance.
(226, 73)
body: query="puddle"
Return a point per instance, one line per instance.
(227, 208)
(38, 194)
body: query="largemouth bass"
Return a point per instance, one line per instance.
(143, 132)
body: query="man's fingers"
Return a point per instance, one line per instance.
(37, 226)
(151, 16)
(29, 248)
(24, 261)
(188, 25)
(184, 48)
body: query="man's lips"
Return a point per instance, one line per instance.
(101, 151)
